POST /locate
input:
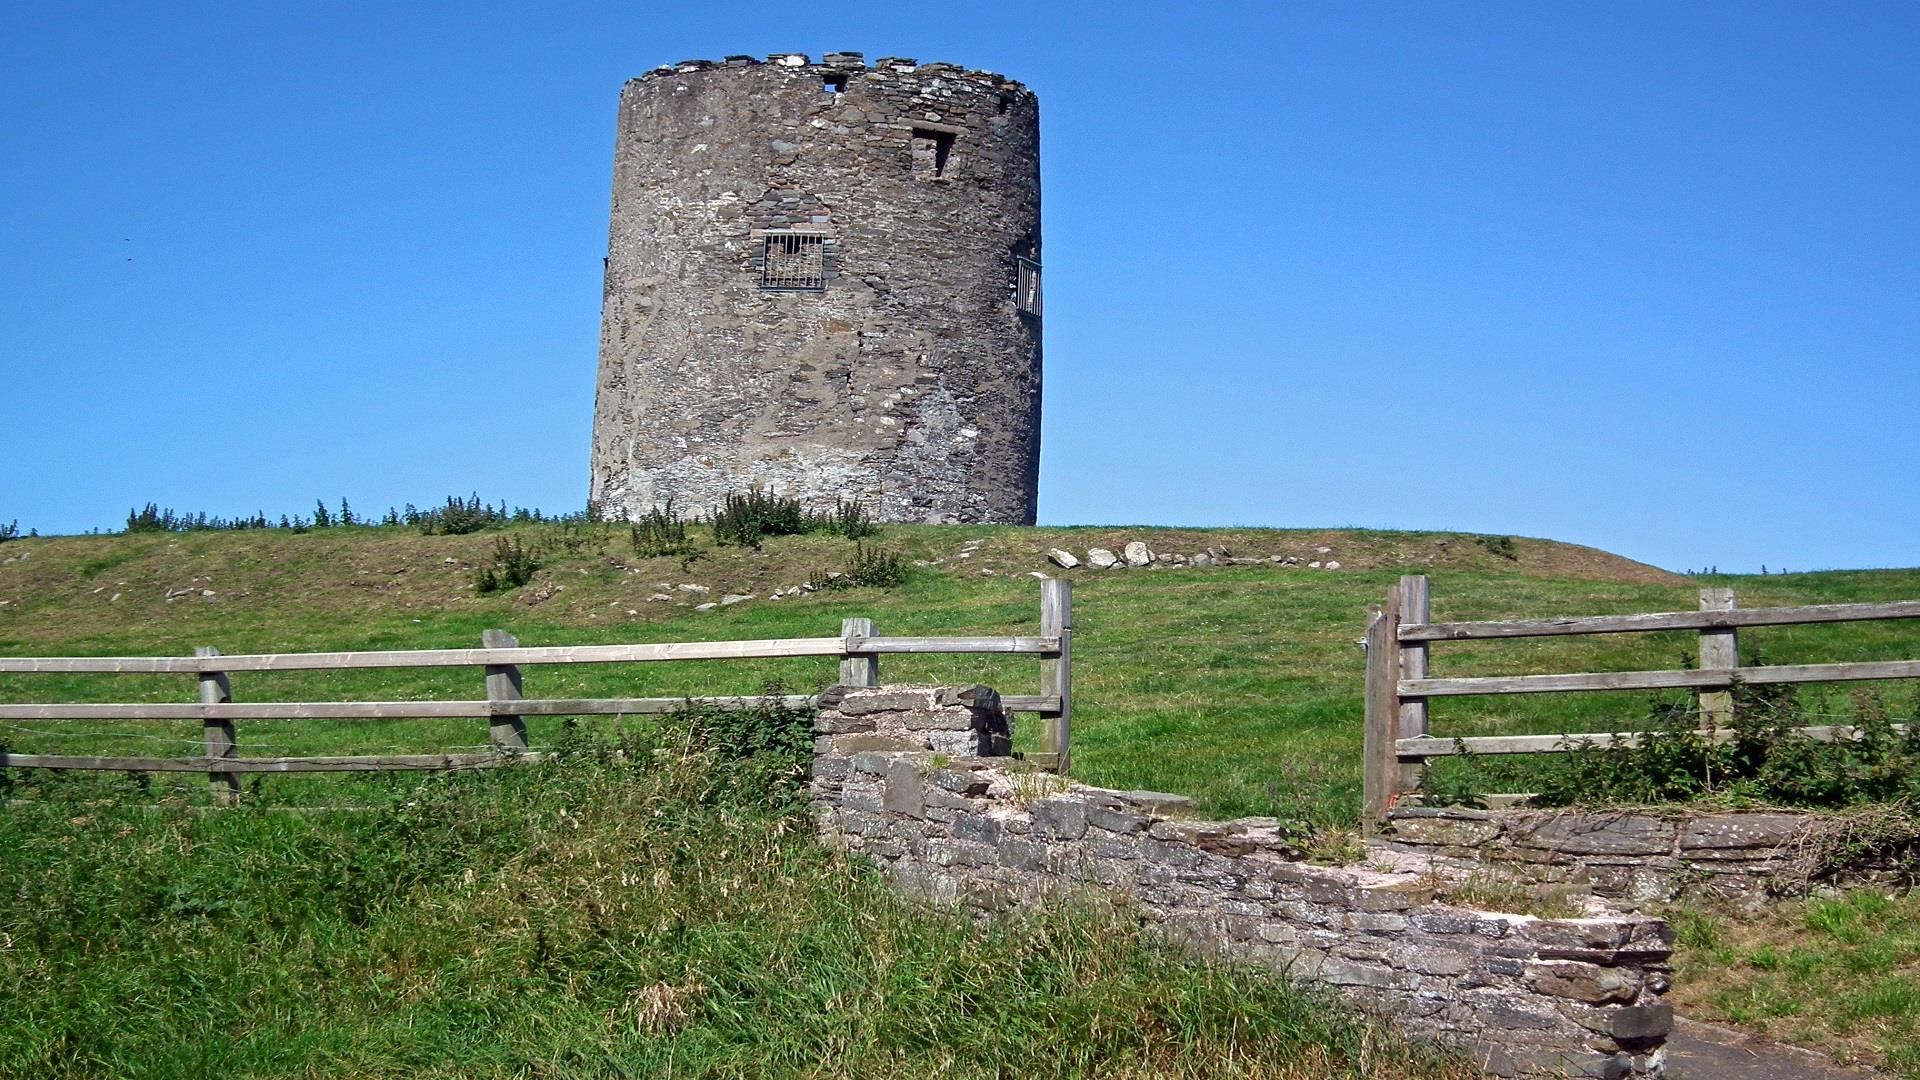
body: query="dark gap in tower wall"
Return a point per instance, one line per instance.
(931, 152)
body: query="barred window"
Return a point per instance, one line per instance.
(794, 261)
(1026, 289)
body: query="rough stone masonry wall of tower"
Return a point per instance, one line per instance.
(910, 379)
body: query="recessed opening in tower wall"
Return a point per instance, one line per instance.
(931, 149)
(834, 82)
(793, 261)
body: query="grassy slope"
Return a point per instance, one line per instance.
(1237, 684)
(1233, 684)
(582, 918)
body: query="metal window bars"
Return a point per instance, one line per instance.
(1026, 289)
(793, 261)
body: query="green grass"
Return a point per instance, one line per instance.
(1221, 683)
(657, 913)
(1841, 973)
(590, 920)
(1237, 685)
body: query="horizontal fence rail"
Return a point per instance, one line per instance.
(523, 657)
(858, 648)
(1399, 684)
(1663, 620)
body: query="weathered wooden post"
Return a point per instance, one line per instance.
(1719, 650)
(1415, 607)
(858, 668)
(1056, 672)
(217, 735)
(1380, 758)
(505, 731)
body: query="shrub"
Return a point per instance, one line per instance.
(1765, 760)
(848, 518)
(867, 566)
(574, 538)
(1499, 545)
(10, 531)
(659, 533)
(509, 566)
(460, 517)
(745, 520)
(880, 569)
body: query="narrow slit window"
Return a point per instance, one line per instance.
(931, 150)
(793, 262)
(1026, 287)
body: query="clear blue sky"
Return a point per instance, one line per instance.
(1641, 276)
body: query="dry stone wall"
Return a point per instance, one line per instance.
(898, 367)
(916, 779)
(1743, 859)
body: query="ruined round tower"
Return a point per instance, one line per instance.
(824, 280)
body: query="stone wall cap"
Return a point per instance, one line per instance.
(1459, 813)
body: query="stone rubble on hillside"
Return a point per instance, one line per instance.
(1135, 554)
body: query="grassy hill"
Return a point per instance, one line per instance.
(594, 917)
(1239, 685)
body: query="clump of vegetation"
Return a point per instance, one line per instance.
(745, 520)
(848, 518)
(154, 518)
(660, 533)
(1499, 545)
(1493, 891)
(1762, 759)
(1317, 828)
(10, 531)
(458, 516)
(870, 566)
(575, 537)
(509, 566)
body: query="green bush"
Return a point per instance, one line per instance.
(745, 520)
(848, 518)
(660, 533)
(869, 566)
(509, 566)
(459, 517)
(1767, 760)
(1499, 545)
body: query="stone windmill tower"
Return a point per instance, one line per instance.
(823, 279)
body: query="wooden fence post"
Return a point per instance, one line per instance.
(1415, 607)
(1719, 649)
(505, 732)
(1380, 758)
(217, 736)
(858, 669)
(1056, 673)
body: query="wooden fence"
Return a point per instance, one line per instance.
(1398, 686)
(505, 707)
